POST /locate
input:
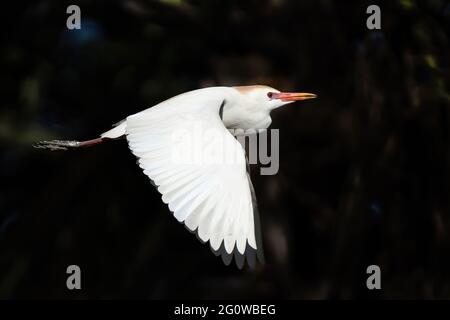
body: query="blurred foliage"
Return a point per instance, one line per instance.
(364, 173)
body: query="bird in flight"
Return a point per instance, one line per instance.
(184, 145)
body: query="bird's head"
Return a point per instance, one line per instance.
(272, 98)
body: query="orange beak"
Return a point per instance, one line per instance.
(294, 96)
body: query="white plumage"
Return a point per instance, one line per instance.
(184, 146)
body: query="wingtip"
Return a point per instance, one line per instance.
(249, 258)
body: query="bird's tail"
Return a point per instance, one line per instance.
(66, 144)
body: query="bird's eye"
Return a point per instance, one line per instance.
(270, 95)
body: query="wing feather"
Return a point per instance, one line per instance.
(212, 194)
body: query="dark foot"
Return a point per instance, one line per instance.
(56, 144)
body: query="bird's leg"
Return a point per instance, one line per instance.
(66, 144)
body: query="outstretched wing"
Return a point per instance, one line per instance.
(200, 170)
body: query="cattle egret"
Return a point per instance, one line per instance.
(214, 198)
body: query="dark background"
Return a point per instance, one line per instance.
(364, 170)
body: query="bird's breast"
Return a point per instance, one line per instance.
(245, 117)
(250, 122)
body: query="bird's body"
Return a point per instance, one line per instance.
(183, 146)
(241, 112)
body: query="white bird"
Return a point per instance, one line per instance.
(210, 194)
